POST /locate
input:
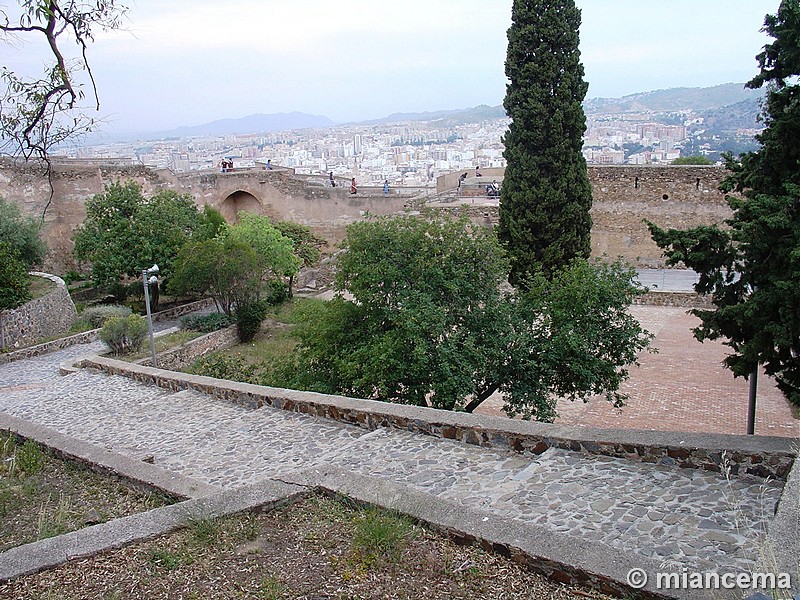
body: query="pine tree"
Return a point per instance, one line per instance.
(546, 195)
(752, 267)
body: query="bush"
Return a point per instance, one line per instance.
(14, 282)
(248, 319)
(22, 234)
(124, 335)
(206, 323)
(96, 316)
(220, 366)
(277, 293)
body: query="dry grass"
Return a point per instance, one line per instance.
(41, 496)
(318, 548)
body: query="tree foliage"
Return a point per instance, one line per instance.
(546, 194)
(14, 282)
(40, 111)
(307, 246)
(696, 159)
(752, 267)
(430, 324)
(21, 233)
(238, 268)
(275, 250)
(124, 232)
(228, 269)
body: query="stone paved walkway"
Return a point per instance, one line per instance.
(680, 515)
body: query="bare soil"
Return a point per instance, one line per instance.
(318, 548)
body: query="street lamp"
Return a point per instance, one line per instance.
(152, 271)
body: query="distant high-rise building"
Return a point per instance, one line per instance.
(357, 144)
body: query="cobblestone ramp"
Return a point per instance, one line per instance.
(665, 513)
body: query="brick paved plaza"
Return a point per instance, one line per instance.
(683, 387)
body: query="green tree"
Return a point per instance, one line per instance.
(430, 325)
(124, 233)
(307, 246)
(229, 270)
(752, 267)
(14, 283)
(21, 233)
(209, 224)
(693, 160)
(276, 250)
(546, 195)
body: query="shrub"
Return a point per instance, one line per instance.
(206, 323)
(22, 234)
(222, 367)
(14, 282)
(248, 319)
(96, 316)
(124, 335)
(277, 292)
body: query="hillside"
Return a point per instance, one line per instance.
(676, 99)
(258, 123)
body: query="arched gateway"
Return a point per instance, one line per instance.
(238, 201)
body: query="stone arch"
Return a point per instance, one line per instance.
(237, 201)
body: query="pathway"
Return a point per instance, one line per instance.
(687, 516)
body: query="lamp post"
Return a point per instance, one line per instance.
(152, 271)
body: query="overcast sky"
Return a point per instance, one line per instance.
(179, 62)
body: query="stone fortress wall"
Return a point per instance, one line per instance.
(679, 196)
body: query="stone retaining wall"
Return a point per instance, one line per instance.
(181, 357)
(44, 317)
(754, 456)
(59, 344)
(687, 299)
(182, 310)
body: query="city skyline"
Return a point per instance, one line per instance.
(178, 64)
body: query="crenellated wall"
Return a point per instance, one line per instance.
(679, 196)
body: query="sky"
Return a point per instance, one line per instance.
(179, 62)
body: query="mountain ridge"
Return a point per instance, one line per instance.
(699, 100)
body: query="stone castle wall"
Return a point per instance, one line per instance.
(679, 196)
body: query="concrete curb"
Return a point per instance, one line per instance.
(780, 551)
(141, 474)
(46, 554)
(757, 456)
(561, 557)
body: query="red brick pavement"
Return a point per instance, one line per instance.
(684, 387)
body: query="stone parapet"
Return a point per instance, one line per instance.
(182, 310)
(79, 338)
(679, 299)
(181, 357)
(742, 456)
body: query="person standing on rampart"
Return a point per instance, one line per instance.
(353, 189)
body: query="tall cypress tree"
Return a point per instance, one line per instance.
(546, 195)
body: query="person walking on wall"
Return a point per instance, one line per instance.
(330, 178)
(353, 188)
(385, 187)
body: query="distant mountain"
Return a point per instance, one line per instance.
(253, 124)
(675, 99)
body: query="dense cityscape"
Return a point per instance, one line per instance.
(415, 153)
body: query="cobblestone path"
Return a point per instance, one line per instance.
(670, 514)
